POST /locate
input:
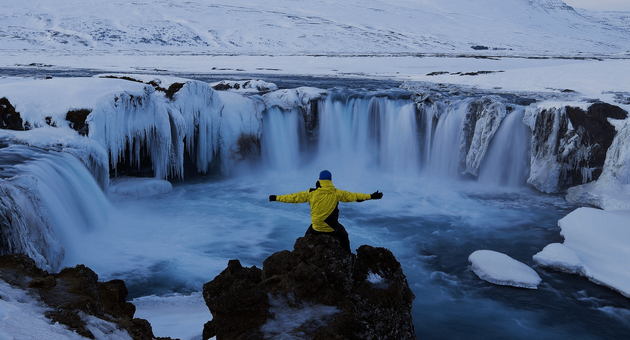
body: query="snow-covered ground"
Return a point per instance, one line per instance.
(22, 317)
(285, 27)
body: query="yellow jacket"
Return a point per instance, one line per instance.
(323, 202)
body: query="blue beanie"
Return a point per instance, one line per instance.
(325, 175)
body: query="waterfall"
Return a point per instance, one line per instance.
(507, 161)
(282, 138)
(71, 197)
(445, 139)
(443, 143)
(369, 132)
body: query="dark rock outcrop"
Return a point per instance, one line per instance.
(74, 292)
(365, 296)
(76, 119)
(9, 119)
(569, 145)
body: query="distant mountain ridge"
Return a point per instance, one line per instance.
(285, 27)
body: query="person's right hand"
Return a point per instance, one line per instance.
(376, 195)
(272, 198)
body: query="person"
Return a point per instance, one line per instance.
(324, 201)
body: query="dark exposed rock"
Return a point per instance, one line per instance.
(311, 118)
(73, 292)
(479, 47)
(19, 269)
(248, 146)
(368, 294)
(9, 119)
(77, 118)
(172, 90)
(235, 295)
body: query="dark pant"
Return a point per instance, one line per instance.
(340, 233)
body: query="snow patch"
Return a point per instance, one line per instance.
(244, 86)
(500, 269)
(374, 278)
(22, 317)
(291, 98)
(177, 316)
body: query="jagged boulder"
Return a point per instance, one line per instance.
(316, 291)
(75, 292)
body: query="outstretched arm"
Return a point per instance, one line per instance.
(346, 196)
(298, 197)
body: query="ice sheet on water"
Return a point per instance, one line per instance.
(599, 240)
(501, 269)
(560, 257)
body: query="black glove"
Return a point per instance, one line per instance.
(272, 198)
(376, 195)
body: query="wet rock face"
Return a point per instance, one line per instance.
(594, 129)
(73, 292)
(368, 293)
(569, 145)
(482, 121)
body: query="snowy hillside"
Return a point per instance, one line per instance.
(287, 27)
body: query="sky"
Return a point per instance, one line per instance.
(600, 5)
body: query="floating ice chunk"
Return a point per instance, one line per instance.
(560, 257)
(501, 269)
(140, 187)
(599, 239)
